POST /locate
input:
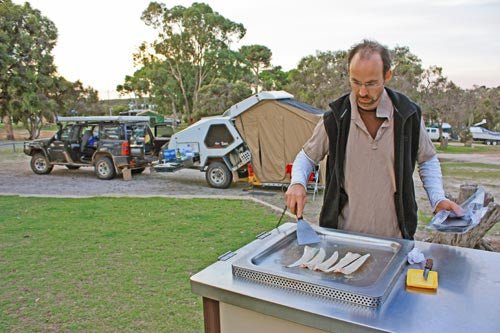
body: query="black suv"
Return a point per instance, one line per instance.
(109, 144)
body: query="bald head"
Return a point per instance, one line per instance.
(366, 49)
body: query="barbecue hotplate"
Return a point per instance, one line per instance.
(368, 286)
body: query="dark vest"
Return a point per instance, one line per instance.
(407, 117)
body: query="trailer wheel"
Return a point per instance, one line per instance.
(218, 175)
(495, 143)
(488, 142)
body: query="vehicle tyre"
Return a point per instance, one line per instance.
(137, 171)
(495, 143)
(40, 164)
(488, 142)
(72, 167)
(218, 175)
(104, 168)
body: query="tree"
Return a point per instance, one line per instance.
(257, 58)
(220, 95)
(26, 64)
(274, 79)
(487, 107)
(407, 71)
(320, 78)
(191, 42)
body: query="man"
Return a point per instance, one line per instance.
(373, 137)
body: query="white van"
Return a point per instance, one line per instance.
(434, 133)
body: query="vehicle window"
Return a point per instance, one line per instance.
(111, 132)
(65, 133)
(218, 136)
(164, 131)
(138, 133)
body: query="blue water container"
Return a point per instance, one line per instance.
(169, 155)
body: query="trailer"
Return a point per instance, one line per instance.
(267, 129)
(484, 135)
(212, 145)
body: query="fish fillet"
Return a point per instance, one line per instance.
(346, 260)
(327, 263)
(316, 260)
(353, 266)
(308, 254)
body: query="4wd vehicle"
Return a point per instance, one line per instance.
(109, 144)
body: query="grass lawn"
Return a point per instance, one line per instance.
(471, 171)
(461, 149)
(114, 264)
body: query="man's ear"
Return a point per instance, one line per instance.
(388, 76)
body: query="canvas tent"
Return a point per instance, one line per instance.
(275, 126)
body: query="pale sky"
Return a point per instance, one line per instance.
(98, 37)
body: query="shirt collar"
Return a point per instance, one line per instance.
(385, 109)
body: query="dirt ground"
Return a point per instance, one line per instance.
(16, 178)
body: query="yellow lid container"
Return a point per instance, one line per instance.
(415, 278)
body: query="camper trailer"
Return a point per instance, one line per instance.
(267, 130)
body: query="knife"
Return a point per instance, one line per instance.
(427, 268)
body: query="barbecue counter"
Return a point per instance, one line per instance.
(252, 290)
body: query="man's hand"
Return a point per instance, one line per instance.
(296, 197)
(449, 205)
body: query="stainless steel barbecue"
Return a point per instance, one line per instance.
(369, 286)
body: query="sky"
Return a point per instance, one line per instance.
(97, 38)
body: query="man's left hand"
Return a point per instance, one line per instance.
(449, 205)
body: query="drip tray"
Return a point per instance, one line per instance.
(368, 286)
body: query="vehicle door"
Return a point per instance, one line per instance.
(60, 150)
(111, 139)
(162, 134)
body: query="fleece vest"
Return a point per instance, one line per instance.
(407, 117)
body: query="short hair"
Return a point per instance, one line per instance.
(366, 48)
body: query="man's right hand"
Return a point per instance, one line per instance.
(296, 197)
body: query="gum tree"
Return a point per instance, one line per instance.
(191, 42)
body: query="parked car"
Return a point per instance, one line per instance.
(434, 134)
(109, 144)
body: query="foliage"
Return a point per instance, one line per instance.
(220, 95)
(407, 71)
(487, 107)
(155, 81)
(26, 64)
(192, 44)
(274, 79)
(113, 264)
(257, 58)
(30, 88)
(319, 78)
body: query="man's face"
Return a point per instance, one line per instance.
(367, 80)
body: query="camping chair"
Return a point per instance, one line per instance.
(316, 181)
(313, 177)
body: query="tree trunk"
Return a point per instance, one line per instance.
(474, 237)
(444, 143)
(8, 127)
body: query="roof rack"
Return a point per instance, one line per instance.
(103, 118)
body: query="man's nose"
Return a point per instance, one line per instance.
(362, 90)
